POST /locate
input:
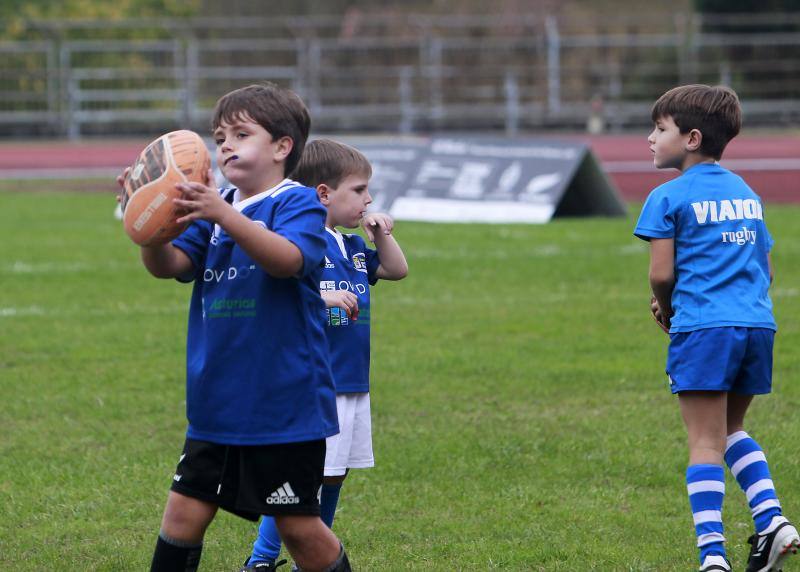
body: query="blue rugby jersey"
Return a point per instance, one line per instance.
(721, 248)
(257, 367)
(349, 265)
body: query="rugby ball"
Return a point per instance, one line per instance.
(148, 210)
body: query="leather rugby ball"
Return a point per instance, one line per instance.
(148, 211)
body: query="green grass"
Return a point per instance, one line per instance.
(522, 419)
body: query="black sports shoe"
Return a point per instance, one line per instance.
(769, 549)
(715, 563)
(261, 566)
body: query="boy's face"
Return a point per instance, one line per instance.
(248, 156)
(348, 202)
(668, 145)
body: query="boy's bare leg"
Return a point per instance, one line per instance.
(737, 408)
(180, 541)
(186, 518)
(312, 544)
(776, 538)
(705, 416)
(336, 480)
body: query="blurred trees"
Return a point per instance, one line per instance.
(17, 17)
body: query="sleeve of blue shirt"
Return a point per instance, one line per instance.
(300, 218)
(194, 243)
(770, 240)
(657, 219)
(373, 262)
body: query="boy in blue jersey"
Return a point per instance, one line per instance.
(341, 176)
(260, 394)
(710, 271)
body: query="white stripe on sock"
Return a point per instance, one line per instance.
(709, 538)
(766, 505)
(734, 438)
(759, 487)
(707, 516)
(706, 487)
(746, 461)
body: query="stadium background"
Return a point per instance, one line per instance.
(76, 71)
(521, 417)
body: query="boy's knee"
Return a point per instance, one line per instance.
(186, 518)
(312, 544)
(299, 531)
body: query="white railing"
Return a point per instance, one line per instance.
(429, 74)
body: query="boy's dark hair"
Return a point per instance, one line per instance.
(280, 111)
(329, 162)
(714, 111)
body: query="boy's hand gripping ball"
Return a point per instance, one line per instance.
(148, 210)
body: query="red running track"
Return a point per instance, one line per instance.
(769, 163)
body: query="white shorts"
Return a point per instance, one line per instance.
(351, 448)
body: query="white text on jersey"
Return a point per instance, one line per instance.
(719, 211)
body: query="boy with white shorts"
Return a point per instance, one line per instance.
(341, 176)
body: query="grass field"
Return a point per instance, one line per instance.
(522, 418)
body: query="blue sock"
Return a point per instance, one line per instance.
(328, 501)
(749, 465)
(267, 546)
(706, 487)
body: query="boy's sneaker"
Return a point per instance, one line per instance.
(715, 563)
(769, 549)
(261, 566)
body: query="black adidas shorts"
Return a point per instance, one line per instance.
(251, 480)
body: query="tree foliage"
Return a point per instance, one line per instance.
(20, 18)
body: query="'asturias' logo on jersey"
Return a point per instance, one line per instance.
(231, 308)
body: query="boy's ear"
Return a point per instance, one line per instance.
(323, 192)
(283, 147)
(695, 140)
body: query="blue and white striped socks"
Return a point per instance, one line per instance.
(749, 466)
(706, 487)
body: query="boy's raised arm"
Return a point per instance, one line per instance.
(275, 254)
(378, 227)
(166, 261)
(161, 260)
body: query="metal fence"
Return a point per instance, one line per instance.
(405, 75)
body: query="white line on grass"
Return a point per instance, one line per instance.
(784, 293)
(541, 251)
(634, 248)
(119, 309)
(22, 267)
(29, 311)
(62, 173)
